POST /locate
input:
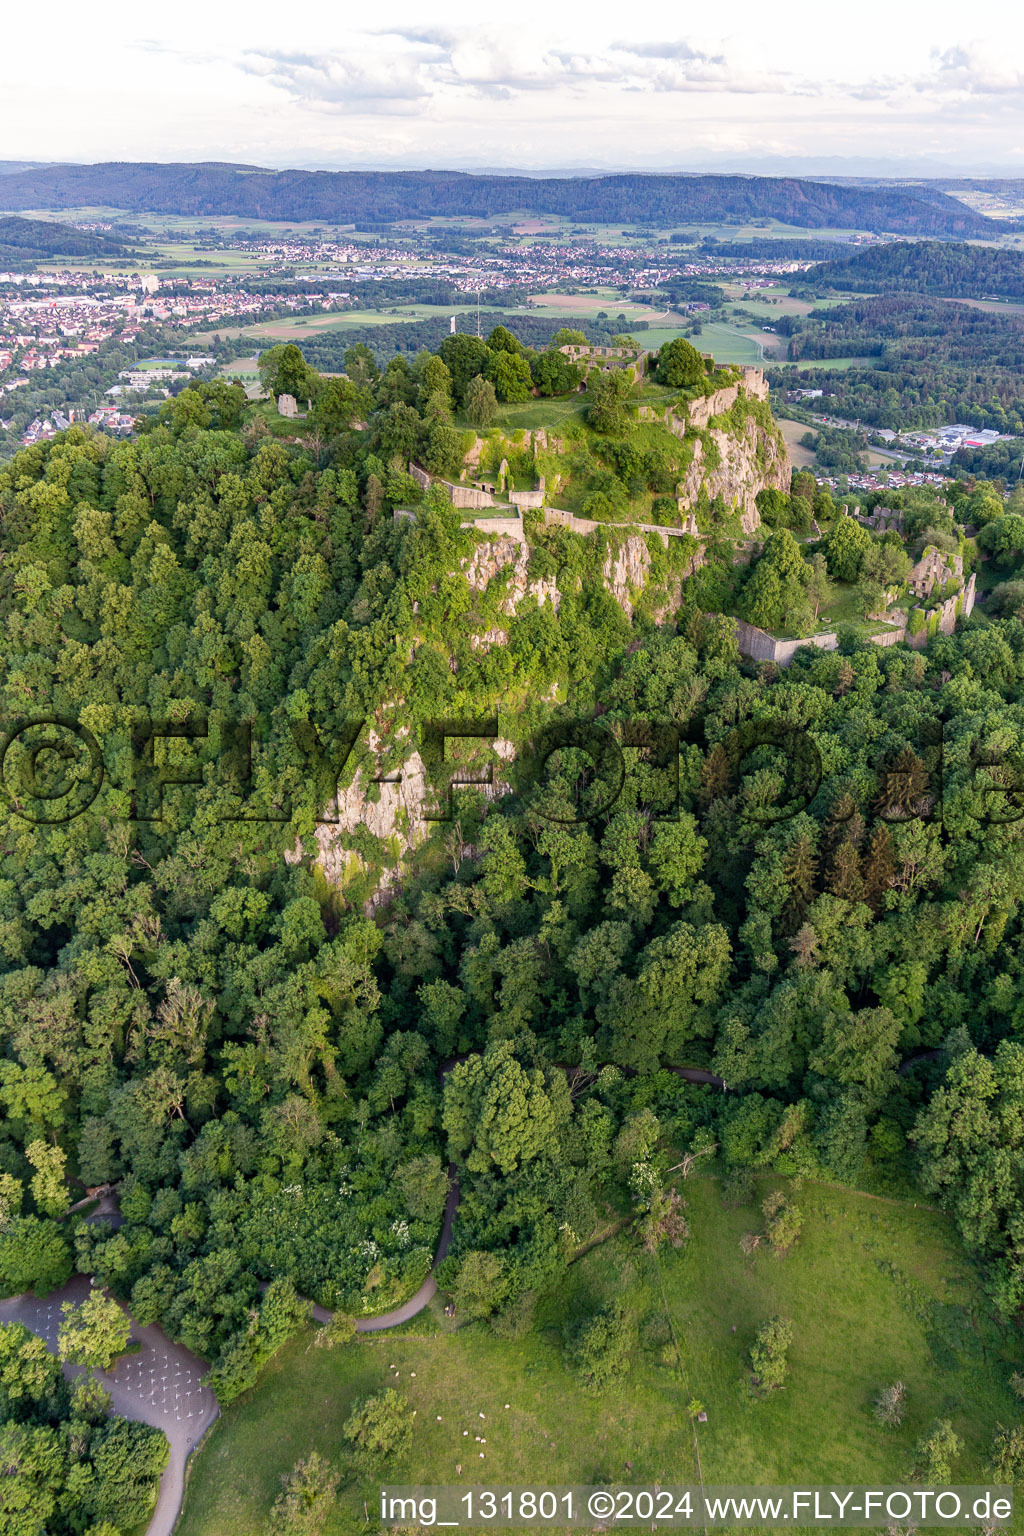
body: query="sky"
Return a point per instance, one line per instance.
(872, 88)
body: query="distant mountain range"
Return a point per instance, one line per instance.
(386, 196)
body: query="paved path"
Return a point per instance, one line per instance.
(160, 1385)
(418, 1300)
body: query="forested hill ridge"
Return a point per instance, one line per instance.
(942, 268)
(41, 238)
(382, 196)
(212, 625)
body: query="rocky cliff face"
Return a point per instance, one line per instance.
(495, 556)
(736, 464)
(626, 574)
(394, 812)
(747, 462)
(626, 571)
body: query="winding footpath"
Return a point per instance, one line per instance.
(419, 1299)
(428, 1289)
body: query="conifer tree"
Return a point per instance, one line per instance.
(800, 868)
(904, 787)
(879, 866)
(844, 878)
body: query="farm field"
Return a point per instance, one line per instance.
(835, 364)
(294, 328)
(608, 301)
(761, 301)
(793, 431)
(176, 223)
(877, 1290)
(993, 306)
(726, 343)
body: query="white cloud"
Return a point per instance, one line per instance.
(541, 86)
(969, 70)
(390, 66)
(340, 81)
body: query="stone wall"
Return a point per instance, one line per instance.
(585, 525)
(510, 527)
(466, 497)
(755, 383)
(948, 614)
(761, 646)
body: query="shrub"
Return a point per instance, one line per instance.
(600, 1348)
(783, 1222)
(307, 1498)
(1007, 1463)
(515, 1320)
(891, 1404)
(340, 1330)
(379, 1427)
(935, 1452)
(768, 1354)
(479, 1285)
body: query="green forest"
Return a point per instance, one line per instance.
(382, 197)
(27, 240)
(279, 1034)
(922, 362)
(945, 268)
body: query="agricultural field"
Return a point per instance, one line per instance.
(176, 224)
(768, 303)
(294, 328)
(793, 431)
(602, 300)
(726, 343)
(834, 364)
(876, 1290)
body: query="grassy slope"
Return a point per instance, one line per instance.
(857, 1327)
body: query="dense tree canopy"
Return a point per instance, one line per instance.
(272, 1014)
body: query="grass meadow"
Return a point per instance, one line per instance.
(877, 1291)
